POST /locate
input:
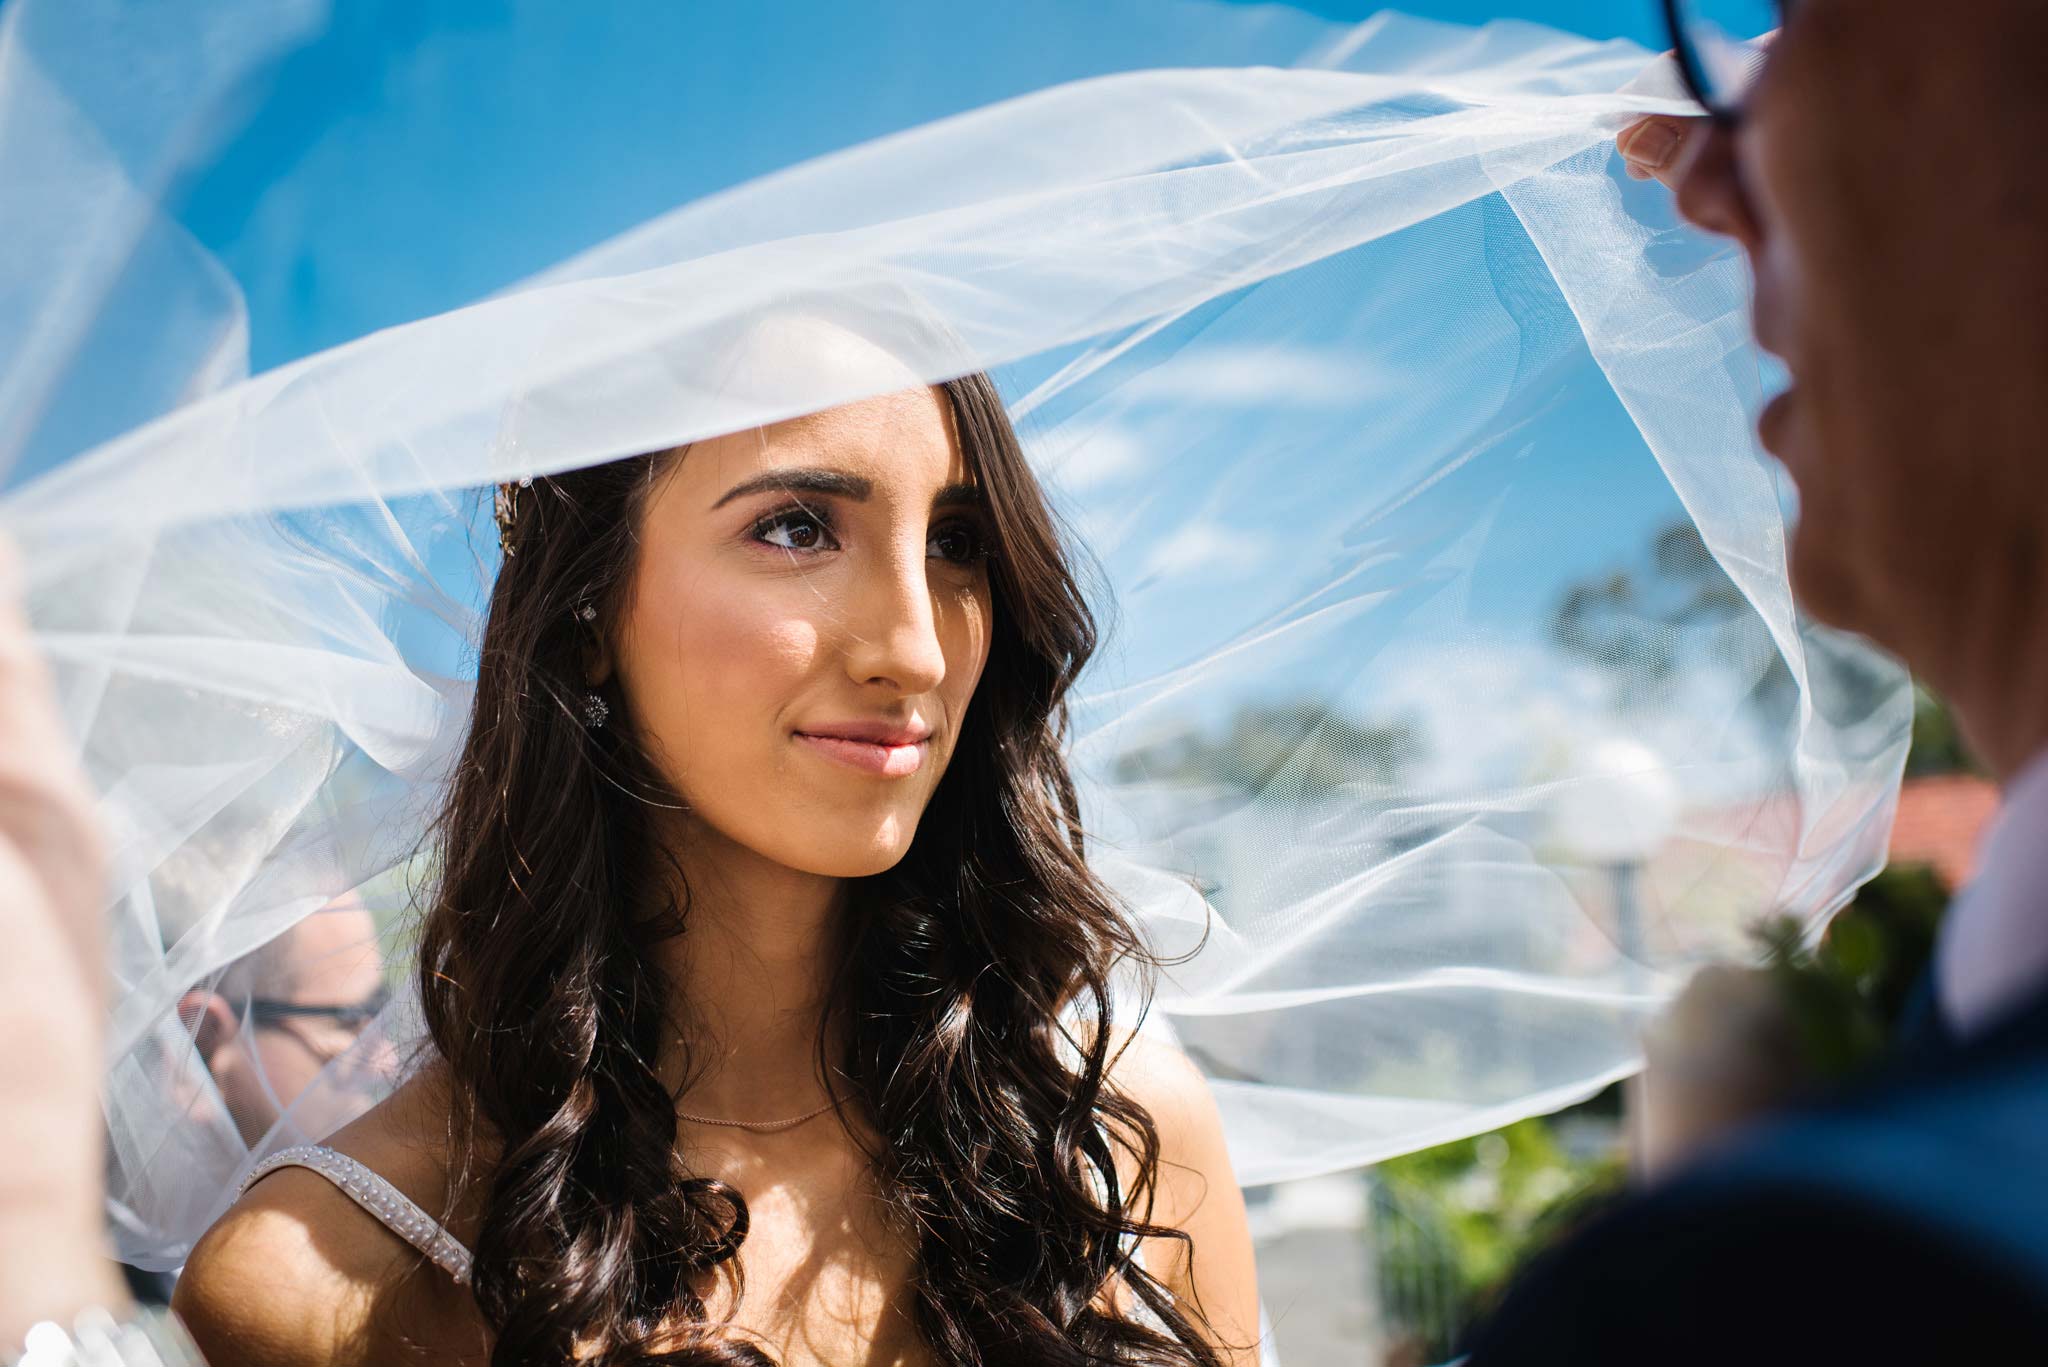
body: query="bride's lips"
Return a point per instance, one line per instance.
(884, 751)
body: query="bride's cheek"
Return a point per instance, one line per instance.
(717, 658)
(750, 664)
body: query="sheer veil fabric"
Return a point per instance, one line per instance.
(1454, 703)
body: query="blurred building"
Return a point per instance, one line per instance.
(1942, 822)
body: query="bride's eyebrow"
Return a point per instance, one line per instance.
(799, 479)
(809, 479)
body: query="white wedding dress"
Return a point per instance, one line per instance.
(1411, 437)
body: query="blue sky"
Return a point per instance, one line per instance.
(354, 198)
(364, 189)
(413, 159)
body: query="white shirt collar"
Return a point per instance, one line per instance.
(1993, 953)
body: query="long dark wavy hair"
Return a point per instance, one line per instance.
(973, 1013)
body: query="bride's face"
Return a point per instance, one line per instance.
(808, 617)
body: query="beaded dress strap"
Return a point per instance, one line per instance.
(390, 1206)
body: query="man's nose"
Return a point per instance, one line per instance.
(896, 630)
(1710, 191)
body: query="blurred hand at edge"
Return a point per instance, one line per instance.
(53, 1258)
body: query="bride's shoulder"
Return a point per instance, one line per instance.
(287, 1276)
(296, 1272)
(1153, 1070)
(1196, 1191)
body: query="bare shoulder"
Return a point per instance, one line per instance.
(1154, 1072)
(296, 1272)
(289, 1275)
(1146, 1062)
(1213, 1269)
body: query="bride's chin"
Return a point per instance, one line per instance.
(851, 853)
(832, 864)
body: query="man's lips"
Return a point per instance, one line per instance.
(886, 752)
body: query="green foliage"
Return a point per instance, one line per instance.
(1848, 993)
(1452, 1223)
(1838, 1030)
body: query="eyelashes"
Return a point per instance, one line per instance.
(799, 530)
(959, 542)
(796, 529)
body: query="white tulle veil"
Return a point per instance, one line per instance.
(1411, 438)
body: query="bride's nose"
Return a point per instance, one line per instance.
(894, 623)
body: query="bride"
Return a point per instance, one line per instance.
(768, 991)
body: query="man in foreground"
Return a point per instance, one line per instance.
(1877, 169)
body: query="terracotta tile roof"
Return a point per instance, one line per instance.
(1942, 820)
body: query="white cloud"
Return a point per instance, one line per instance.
(1104, 454)
(1225, 376)
(1208, 549)
(1502, 714)
(1085, 455)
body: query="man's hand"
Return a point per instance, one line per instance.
(1658, 146)
(52, 1259)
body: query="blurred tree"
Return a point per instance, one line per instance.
(1676, 610)
(1300, 750)
(1677, 607)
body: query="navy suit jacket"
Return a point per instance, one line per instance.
(1904, 1222)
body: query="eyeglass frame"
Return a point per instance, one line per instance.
(354, 1016)
(1694, 72)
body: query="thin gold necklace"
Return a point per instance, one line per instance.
(760, 1126)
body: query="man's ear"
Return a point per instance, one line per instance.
(209, 1020)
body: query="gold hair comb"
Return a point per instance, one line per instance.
(505, 508)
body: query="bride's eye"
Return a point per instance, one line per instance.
(958, 543)
(795, 529)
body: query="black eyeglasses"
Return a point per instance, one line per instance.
(1717, 48)
(352, 1016)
